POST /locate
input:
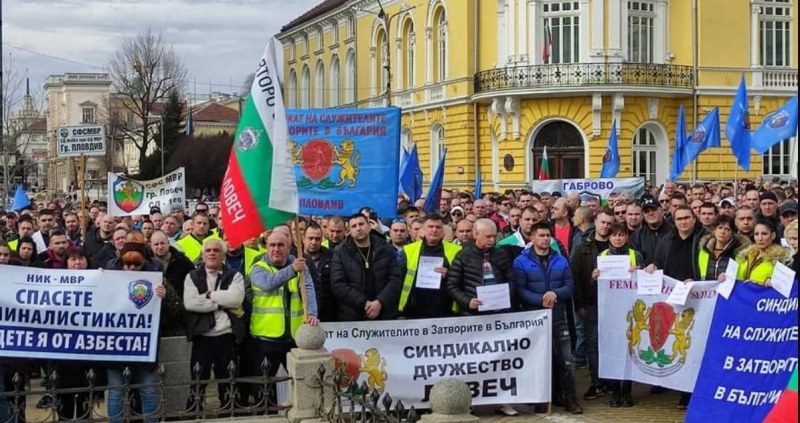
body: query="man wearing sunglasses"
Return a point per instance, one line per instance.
(655, 228)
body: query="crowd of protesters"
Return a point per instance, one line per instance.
(243, 303)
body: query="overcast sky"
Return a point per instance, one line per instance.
(220, 41)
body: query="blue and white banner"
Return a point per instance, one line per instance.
(750, 355)
(602, 189)
(96, 315)
(346, 159)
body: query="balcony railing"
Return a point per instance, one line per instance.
(779, 78)
(583, 74)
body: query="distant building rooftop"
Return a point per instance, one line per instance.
(318, 10)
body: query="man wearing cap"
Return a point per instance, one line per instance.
(728, 206)
(768, 208)
(655, 228)
(788, 212)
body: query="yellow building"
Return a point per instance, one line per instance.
(476, 77)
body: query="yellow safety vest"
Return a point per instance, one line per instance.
(250, 257)
(412, 252)
(702, 262)
(325, 243)
(631, 254)
(191, 247)
(12, 245)
(269, 313)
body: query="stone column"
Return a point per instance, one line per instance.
(450, 403)
(174, 354)
(302, 365)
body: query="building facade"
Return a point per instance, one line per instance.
(29, 137)
(495, 81)
(75, 99)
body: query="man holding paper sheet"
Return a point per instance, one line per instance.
(479, 264)
(427, 260)
(543, 280)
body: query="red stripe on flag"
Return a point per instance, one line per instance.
(785, 410)
(240, 218)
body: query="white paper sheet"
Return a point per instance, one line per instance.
(614, 267)
(783, 279)
(680, 293)
(726, 288)
(427, 276)
(494, 297)
(647, 284)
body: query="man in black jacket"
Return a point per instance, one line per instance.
(99, 237)
(318, 259)
(365, 276)
(479, 263)
(654, 229)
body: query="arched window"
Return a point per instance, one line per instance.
(408, 54)
(291, 91)
(334, 89)
(379, 72)
(305, 88)
(437, 144)
(440, 43)
(319, 86)
(645, 155)
(350, 77)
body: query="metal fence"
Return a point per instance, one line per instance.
(238, 396)
(358, 403)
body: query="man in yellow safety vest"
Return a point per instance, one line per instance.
(424, 296)
(192, 244)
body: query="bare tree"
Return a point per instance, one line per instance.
(144, 71)
(22, 111)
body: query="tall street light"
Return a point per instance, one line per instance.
(387, 22)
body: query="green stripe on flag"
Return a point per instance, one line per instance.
(793, 382)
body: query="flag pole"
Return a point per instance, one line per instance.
(298, 245)
(82, 186)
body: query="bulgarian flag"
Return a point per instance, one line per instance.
(786, 408)
(547, 46)
(544, 167)
(259, 190)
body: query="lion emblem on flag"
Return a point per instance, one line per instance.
(667, 333)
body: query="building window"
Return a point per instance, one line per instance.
(408, 54)
(350, 77)
(775, 33)
(502, 54)
(87, 115)
(334, 89)
(305, 88)
(441, 45)
(641, 25)
(291, 94)
(563, 20)
(437, 144)
(380, 63)
(645, 152)
(319, 86)
(778, 160)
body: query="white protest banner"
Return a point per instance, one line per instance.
(89, 140)
(95, 315)
(128, 197)
(601, 189)
(645, 339)
(503, 358)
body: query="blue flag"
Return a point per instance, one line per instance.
(611, 159)
(411, 176)
(776, 127)
(478, 182)
(21, 200)
(189, 121)
(704, 136)
(737, 130)
(680, 141)
(435, 190)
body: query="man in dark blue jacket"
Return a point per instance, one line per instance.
(543, 280)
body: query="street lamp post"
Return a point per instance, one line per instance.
(387, 23)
